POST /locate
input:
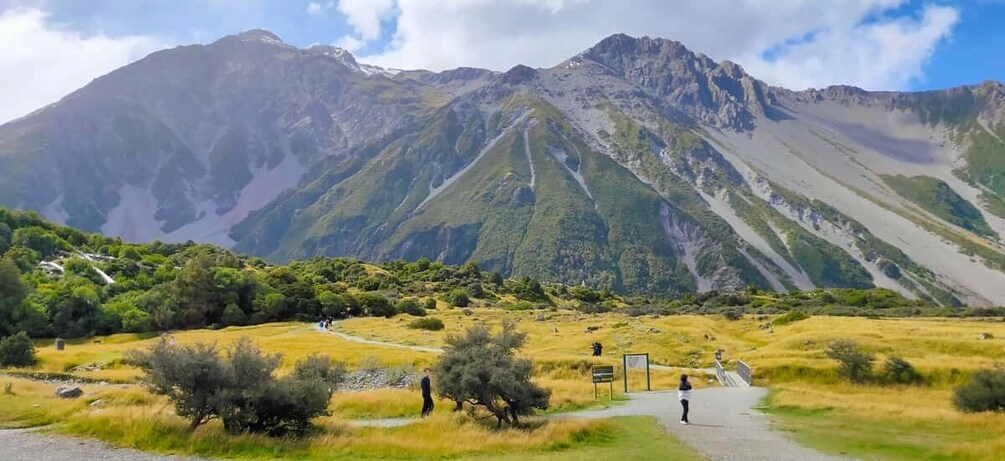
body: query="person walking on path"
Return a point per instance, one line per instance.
(684, 395)
(427, 394)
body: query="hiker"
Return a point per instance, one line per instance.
(684, 394)
(597, 349)
(427, 394)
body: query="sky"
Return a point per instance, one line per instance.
(49, 48)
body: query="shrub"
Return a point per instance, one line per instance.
(426, 323)
(476, 290)
(17, 350)
(430, 304)
(459, 298)
(481, 368)
(790, 317)
(239, 389)
(855, 363)
(900, 371)
(411, 307)
(733, 314)
(985, 391)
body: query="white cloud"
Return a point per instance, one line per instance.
(40, 62)
(317, 8)
(365, 16)
(868, 43)
(350, 43)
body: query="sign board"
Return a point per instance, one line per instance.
(637, 361)
(603, 374)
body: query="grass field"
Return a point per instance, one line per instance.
(808, 400)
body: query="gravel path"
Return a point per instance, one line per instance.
(29, 445)
(724, 424)
(357, 339)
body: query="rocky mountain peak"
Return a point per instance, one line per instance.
(720, 94)
(260, 35)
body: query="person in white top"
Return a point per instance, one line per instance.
(684, 395)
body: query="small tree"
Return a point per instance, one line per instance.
(241, 388)
(900, 371)
(17, 351)
(985, 391)
(481, 368)
(855, 363)
(194, 377)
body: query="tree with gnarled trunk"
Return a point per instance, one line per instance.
(482, 369)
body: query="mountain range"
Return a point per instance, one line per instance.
(637, 164)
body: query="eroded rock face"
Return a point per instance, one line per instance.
(637, 164)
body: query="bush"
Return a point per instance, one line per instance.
(482, 369)
(459, 298)
(430, 304)
(476, 290)
(411, 307)
(855, 363)
(17, 351)
(239, 389)
(426, 323)
(733, 314)
(790, 317)
(900, 371)
(985, 391)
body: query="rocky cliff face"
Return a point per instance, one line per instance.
(636, 164)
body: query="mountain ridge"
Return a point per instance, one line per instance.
(636, 164)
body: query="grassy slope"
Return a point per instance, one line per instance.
(938, 198)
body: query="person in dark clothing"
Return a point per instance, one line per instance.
(427, 394)
(597, 349)
(684, 394)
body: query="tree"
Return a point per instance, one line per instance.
(233, 315)
(194, 377)
(239, 388)
(196, 290)
(17, 351)
(12, 292)
(481, 368)
(985, 391)
(855, 363)
(497, 279)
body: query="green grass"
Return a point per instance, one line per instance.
(937, 197)
(873, 437)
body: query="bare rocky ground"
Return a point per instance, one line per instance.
(31, 445)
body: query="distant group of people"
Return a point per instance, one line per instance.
(326, 323)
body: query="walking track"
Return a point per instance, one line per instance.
(725, 425)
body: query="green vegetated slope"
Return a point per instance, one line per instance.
(935, 196)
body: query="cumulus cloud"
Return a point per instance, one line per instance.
(874, 44)
(41, 62)
(365, 16)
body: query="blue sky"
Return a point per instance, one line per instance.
(48, 48)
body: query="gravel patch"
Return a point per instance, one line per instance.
(30, 445)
